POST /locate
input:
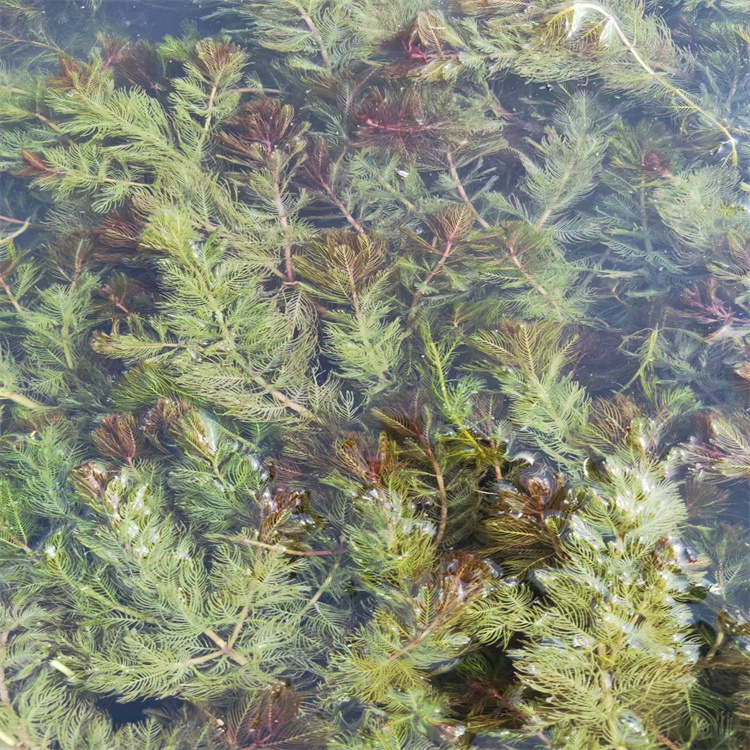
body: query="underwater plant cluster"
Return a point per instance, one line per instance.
(374, 376)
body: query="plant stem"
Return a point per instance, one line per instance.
(361, 322)
(551, 204)
(26, 742)
(229, 338)
(225, 648)
(317, 36)
(51, 125)
(66, 317)
(644, 217)
(358, 228)
(11, 220)
(442, 493)
(517, 263)
(10, 237)
(30, 42)
(203, 659)
(286, 550)
(283, 220)
(322, 589)
(4, 694)
(449, 246)
(485, 225)
(284, 399)
(667, 742)
(408, 205)
(207, 122)
(256, 90)
(462, 192)
(238, 626)
(413, 644)
(16, 542)
(679, 93)
(11, 297)
(25, 401)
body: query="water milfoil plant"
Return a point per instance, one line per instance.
(375, 376)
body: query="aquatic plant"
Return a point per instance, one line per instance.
(374, 375)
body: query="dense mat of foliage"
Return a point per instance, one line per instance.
(373, 376)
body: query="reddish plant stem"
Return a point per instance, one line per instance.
(485, 225)
(11, 220)
(666, 741)
(462, 192)
(517, 263)
(358, 228)
(11, 39)
(436, 269)
(442, 493)
(11, 297)
(329, 191)
(287, 550)
(402, 128)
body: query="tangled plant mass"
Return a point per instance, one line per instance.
(374, 376)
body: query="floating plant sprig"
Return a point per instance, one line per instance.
(573, 18)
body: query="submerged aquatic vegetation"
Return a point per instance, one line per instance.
(374, 375)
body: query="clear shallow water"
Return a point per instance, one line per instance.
(476, 214)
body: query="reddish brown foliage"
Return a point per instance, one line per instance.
(72, 73)
(35, 166)
(396, 121)
(118, 230)
(275, 723)
(371, 464)
(452, 224)
(137, 63)
(90, 479)
(118, 436)
(655, 165)
(461, 577)
(316, 170)
(160, 422)
(286, 515)
(259, 128)
(213, 55)
(420, 47)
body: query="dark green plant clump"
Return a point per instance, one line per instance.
(374, 376)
